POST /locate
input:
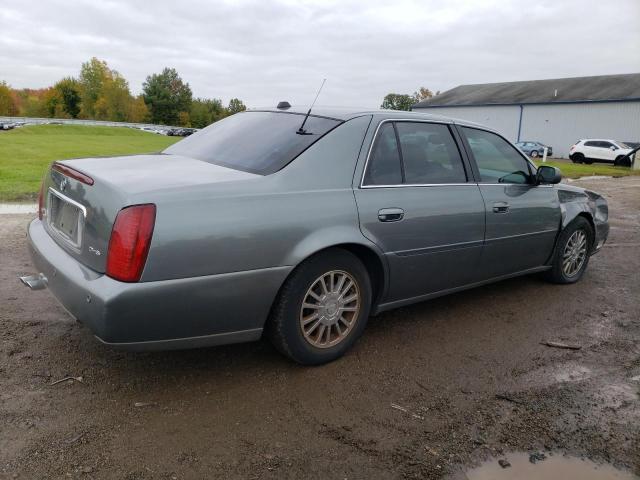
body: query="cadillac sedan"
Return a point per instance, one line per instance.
(300, 227)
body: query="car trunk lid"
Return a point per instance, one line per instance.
(82, 197)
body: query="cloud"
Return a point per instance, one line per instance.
(263, 52)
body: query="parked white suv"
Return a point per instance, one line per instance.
(592, 150)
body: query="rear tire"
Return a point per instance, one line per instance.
(572, 252)
(311, 322)
(577, 158)
(534, 154)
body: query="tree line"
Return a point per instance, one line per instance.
(401, 101)
(101, 93)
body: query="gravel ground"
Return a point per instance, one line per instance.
(428, 390)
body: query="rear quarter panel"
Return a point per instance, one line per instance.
(271, 221)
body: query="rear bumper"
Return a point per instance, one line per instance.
(168, 314)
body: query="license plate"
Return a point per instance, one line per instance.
(66, 218)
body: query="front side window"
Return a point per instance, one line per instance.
(255, 142)
(497, 160)
(429, 154)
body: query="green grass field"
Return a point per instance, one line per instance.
(25, 152)
(577, 170)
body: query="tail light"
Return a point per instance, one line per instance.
(130, 241)
(41, 201)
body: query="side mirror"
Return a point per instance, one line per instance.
(547, 174)
(613, 148)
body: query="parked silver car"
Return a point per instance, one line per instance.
(300, 227)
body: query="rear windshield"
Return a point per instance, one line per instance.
(255, 142)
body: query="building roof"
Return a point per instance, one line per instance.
(604, 88)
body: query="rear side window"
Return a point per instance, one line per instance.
(256, 142)
(384, 164)
(429, 154)
(426, 154)
(497, 160)
(591, 144)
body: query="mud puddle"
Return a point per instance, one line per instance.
(520, 466)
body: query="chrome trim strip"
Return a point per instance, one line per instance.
(440, 248)
(69, 200)
(77, 247)
(401, 185)
(520, 235)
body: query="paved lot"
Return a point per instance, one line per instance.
(466, 373)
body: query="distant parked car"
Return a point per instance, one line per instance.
(594, 150)
(6, 126)
(534, 149)
(181, 132)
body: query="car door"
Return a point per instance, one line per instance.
(417, 201)
(522, 218)
(608, 150)
(590, 149)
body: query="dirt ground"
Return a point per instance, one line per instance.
(429, 388)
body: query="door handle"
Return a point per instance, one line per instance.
(501, 207)
(390, 214)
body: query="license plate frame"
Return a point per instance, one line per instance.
(65, 218)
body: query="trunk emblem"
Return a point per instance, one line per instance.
(63, 184)
(94, 250)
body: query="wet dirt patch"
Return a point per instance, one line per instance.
(429, 390)
(519, 466)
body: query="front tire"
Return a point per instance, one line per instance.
(571, 256)
(622, 161)
(534, 154)
(322, 308)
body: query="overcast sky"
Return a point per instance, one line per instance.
(264, 51)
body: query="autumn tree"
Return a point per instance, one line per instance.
(93, 75)
(422, 94)
(68, 94)
(235, 106)
(8, 105)
(166, 95)
(206, 111)
(138, 111)
(397, 101)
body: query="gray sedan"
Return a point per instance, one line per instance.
(300, 227)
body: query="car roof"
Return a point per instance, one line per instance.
(598, 140)
(347, 113)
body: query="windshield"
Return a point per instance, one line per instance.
(255, 142)
(622, 144)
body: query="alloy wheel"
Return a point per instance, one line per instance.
(575, 253)
(330, 309)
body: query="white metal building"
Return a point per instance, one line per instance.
(556, 112)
